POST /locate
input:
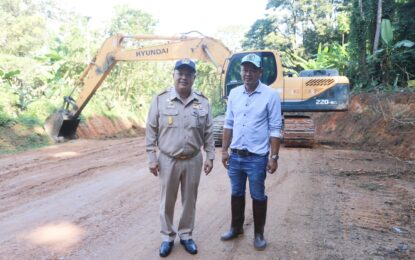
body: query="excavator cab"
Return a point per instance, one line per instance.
(233, 71)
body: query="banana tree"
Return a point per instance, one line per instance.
(391, 58)
(334, 56)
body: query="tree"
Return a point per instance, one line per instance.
(130, 21)
(307, 23)
(390, 62)
(24, 26)
(231, 36)
(371, 66)
(378, 21)
(256, 38)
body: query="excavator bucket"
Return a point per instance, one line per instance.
(60, 126)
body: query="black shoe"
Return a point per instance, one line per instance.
(189, 245)
(165, 248)
(259, 242)
(231, 234)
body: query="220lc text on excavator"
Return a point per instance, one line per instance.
(311, 91)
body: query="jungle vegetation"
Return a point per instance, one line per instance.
(44, 49)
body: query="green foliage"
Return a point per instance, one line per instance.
(299, 26)
(329, 57)
(39, 68)
(28, 121)
(22, 92)
(208, 82)
(256, 38)
(5, 119)
(129, 21)
(386, 32)
(405, 28)
(39, 110)
(391, 65)
(24, 26)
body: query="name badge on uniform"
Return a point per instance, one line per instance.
(196, 105)
(170, 103)
(170, 120)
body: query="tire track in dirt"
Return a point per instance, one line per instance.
(53, 175)
(102, 196)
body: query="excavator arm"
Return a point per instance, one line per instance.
(64, 122)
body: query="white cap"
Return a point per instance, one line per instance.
(252, 58)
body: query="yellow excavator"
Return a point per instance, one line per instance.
(312, 91)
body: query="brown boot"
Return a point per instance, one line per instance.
(238, 217)
(260, 214)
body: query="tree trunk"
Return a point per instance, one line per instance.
(377, 32)
(361, 9)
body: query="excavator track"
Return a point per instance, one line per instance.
(218, 129)
(298, 131)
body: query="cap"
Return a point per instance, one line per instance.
(252, 58)
(185, 63)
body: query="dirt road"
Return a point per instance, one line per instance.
(92, 199)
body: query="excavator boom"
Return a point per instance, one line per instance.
(64, 122)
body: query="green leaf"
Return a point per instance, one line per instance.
(411, 83)
(11, 74)
(386, 31)
(404, 43)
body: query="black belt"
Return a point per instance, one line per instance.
(242, 152)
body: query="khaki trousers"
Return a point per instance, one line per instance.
(175, 173)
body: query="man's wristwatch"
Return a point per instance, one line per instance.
(275, 157)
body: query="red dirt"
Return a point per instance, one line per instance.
(382, 123)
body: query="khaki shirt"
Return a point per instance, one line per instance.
(179, 129)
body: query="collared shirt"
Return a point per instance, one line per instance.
(253, 118)
(178, 128)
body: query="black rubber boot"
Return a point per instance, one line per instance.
(238, 217)
(260, 214)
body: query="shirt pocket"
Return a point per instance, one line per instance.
(169, 118)
(198, 118)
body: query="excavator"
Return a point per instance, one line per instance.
(311, 91)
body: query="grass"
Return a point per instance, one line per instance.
(22, 134)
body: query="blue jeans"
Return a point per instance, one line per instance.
(253, 167)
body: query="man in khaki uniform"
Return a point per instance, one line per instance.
(179, 123)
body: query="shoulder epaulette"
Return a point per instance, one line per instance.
(199, 94)
(164, 91)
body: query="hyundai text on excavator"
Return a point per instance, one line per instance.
(312, 91)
